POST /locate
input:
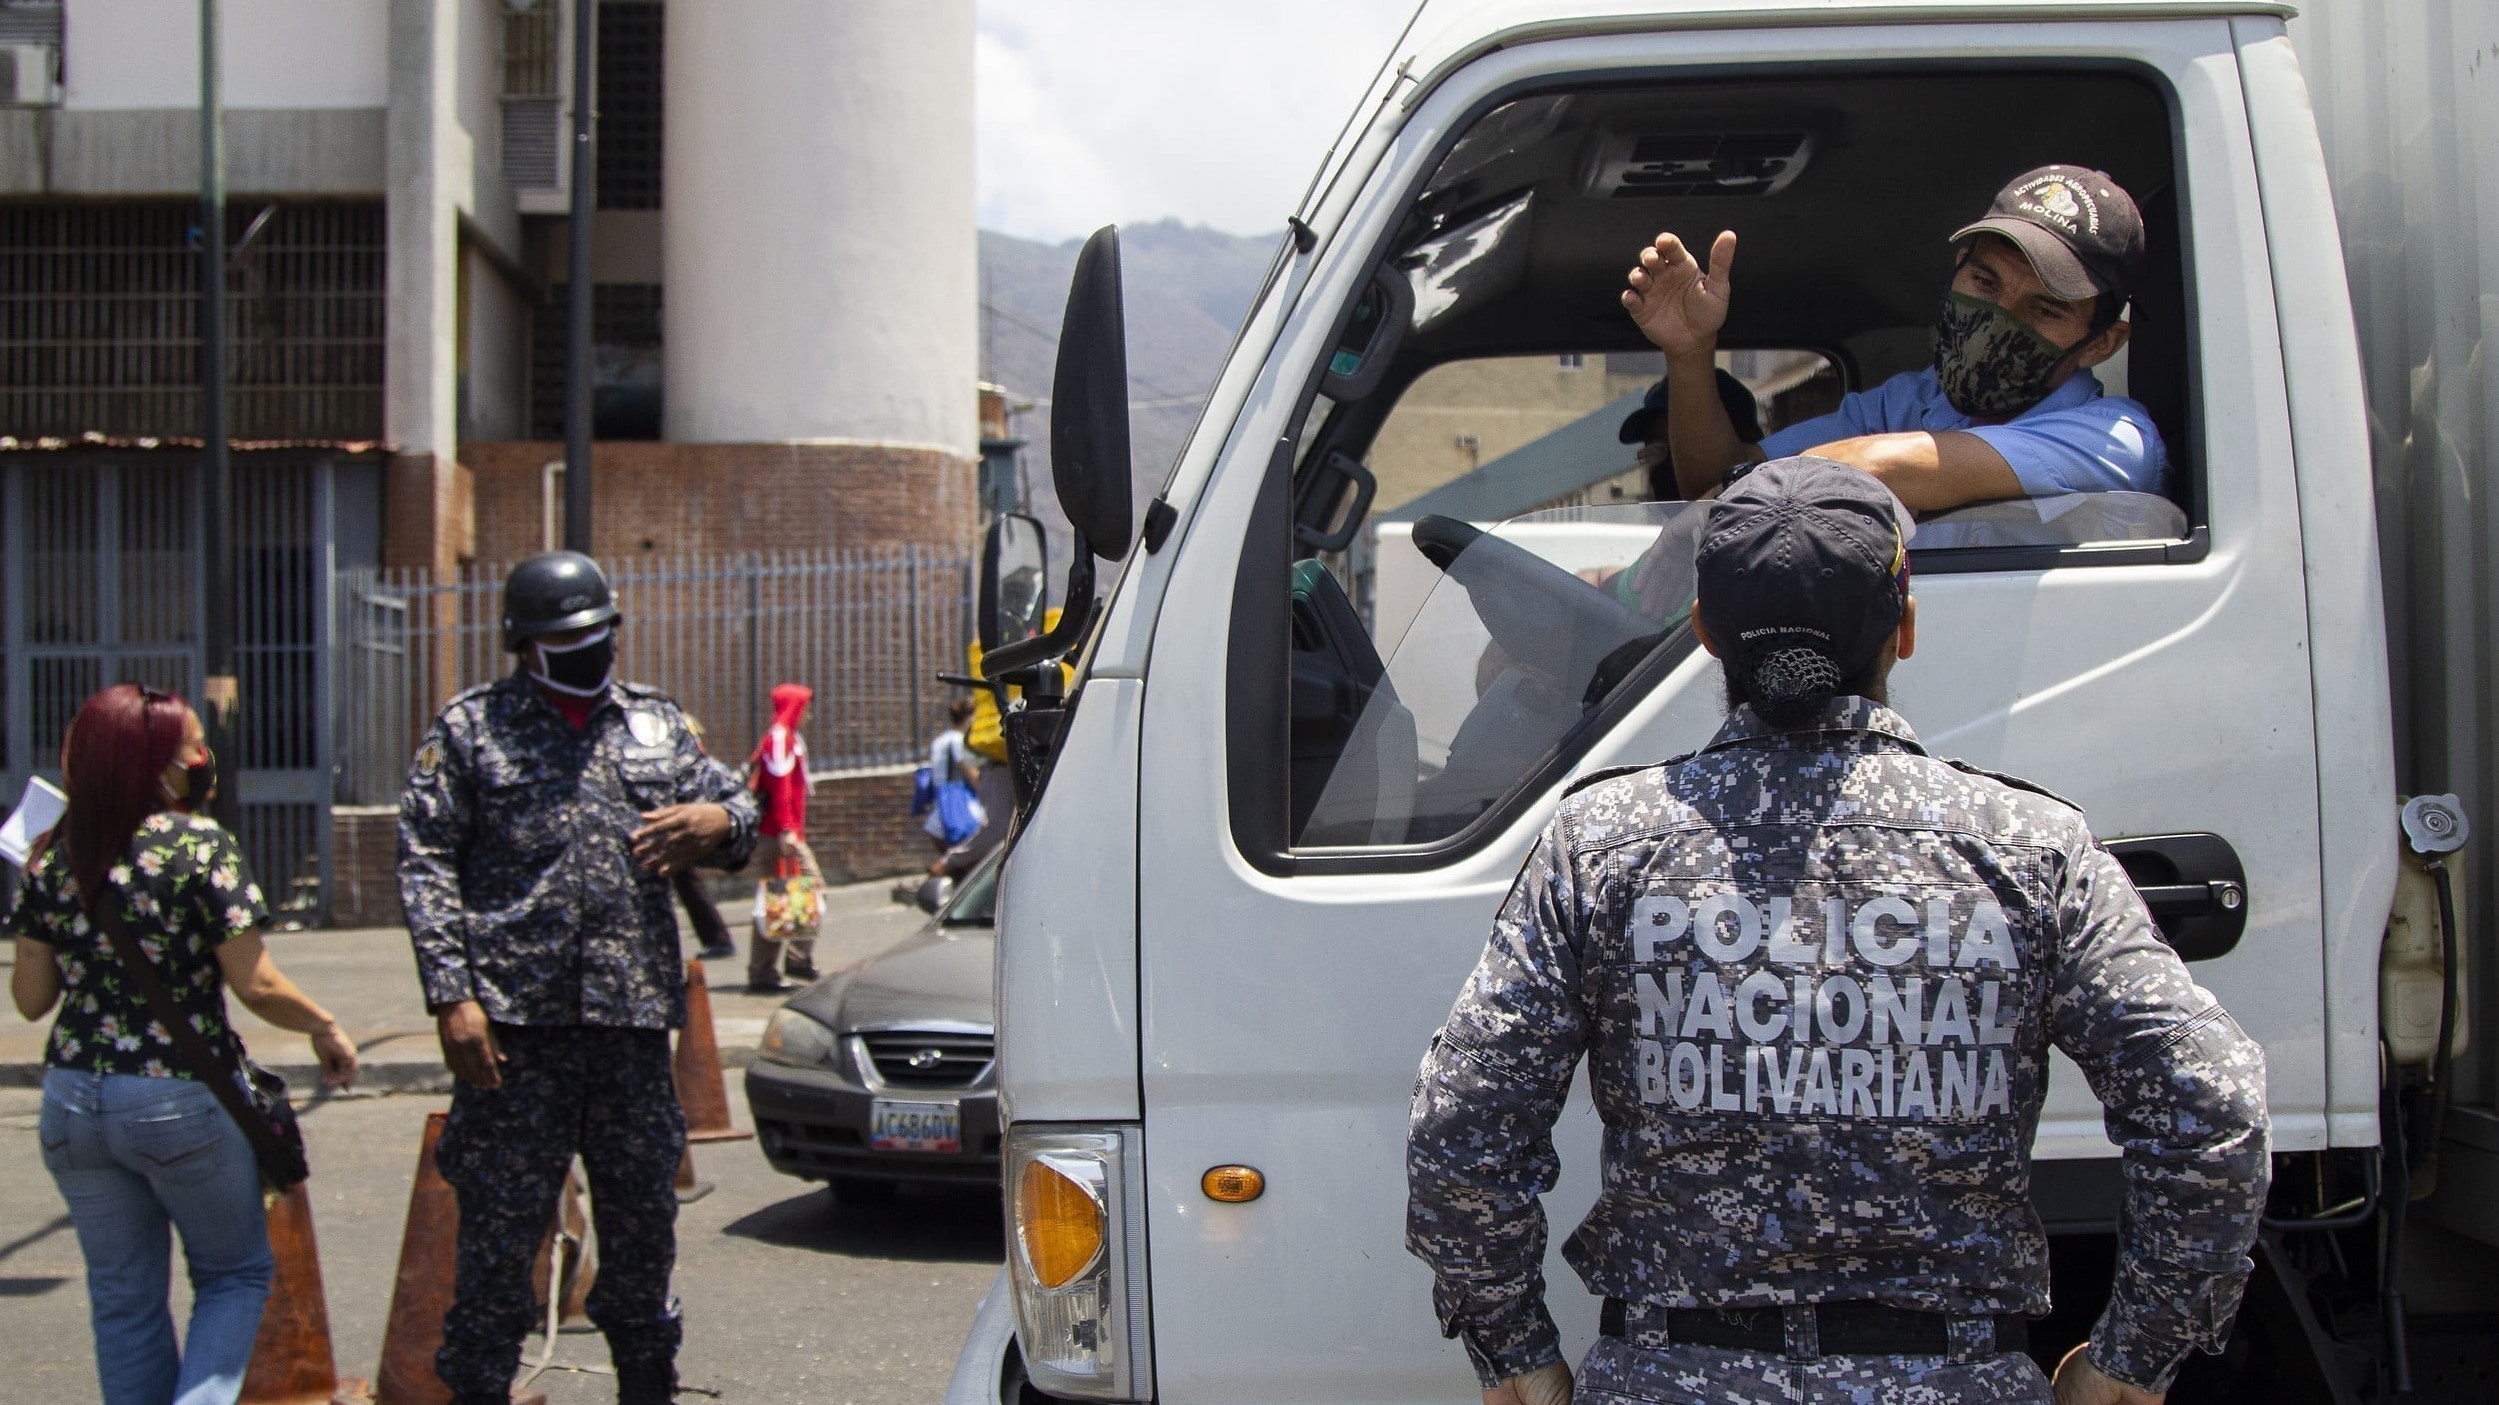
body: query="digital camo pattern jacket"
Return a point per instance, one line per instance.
(1817, 976)
(516, 863)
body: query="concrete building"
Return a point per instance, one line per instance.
(785, 262)
(784, 287)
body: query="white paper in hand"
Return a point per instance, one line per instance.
(37, 811)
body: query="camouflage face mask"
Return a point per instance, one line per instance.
(1988, 361)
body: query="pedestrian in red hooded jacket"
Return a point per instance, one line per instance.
(778, 772)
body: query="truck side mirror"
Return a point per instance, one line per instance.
(1015, 558)
(1089, 403)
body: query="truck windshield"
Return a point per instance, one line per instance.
(1508, 638)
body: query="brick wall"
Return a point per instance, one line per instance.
(364, 864)
(428, 512)
(860, 826)
(657, 498)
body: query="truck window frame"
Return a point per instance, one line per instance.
(1257, 721)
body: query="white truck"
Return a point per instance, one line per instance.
(1260, 847)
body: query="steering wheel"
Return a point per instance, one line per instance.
(1541, 615)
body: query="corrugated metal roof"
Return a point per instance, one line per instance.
(96, 439)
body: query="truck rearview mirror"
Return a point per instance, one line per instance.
(1014, 589)
(1089, 403)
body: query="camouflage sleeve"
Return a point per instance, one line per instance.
(2184, 1093)
(1479, 1145)
(702, 779)
(434, 823)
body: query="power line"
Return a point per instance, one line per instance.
(1169, 396)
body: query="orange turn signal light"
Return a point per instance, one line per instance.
(1060, 1223)
(1233, 1185)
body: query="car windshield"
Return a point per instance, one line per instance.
(974, 902)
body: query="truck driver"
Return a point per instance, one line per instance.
(2009, 409)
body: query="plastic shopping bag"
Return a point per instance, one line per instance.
(958, 814)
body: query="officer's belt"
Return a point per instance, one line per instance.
(1820, 1329)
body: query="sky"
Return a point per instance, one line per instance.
(1212, 112)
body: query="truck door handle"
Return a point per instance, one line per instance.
(2192, 899)
(2195, 887)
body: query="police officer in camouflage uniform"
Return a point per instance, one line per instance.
(543, 817)
(1816, 974)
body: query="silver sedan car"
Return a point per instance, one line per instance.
(884, 1073)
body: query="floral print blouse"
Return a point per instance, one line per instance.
(184, 891)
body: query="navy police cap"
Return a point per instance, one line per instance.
(1804, 553)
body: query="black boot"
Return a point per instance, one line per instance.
(646, 1383)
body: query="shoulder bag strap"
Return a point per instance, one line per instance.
(222, 1076)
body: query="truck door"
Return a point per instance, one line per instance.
(1330, 815)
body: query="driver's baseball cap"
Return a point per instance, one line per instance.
(1804, 552)
(2078, 228)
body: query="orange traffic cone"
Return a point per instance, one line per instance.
(428, 1251)
(428, 1255)
(701, 1090)
(292, 1363)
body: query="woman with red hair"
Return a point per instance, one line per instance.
(132, 1139)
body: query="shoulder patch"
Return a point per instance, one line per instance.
(429, 757)
(2016, 782)
(647, 725)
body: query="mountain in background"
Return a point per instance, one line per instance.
(1186, 290)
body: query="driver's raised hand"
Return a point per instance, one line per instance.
(1675, 304)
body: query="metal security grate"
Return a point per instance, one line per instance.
(916, 1058)
(629, 104)
(99, 567)
(99, 329)
(533, 51)
(866, 629)
(30, 22)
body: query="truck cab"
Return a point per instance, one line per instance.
(1346, 668)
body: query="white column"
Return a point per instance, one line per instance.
(423, 138)
(820, 251)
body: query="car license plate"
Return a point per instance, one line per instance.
(895, 1126)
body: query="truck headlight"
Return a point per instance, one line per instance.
(1077, 1259)
(799, 1041)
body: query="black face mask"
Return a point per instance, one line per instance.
(1990, 362)
(199, 784)
(578, 670)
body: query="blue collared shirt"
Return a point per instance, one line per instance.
(2078, 440)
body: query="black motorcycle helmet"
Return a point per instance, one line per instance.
(552, 592)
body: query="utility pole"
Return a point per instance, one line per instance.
(217, 610)
(577, 284)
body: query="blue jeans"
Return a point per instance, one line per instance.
(132, 1155)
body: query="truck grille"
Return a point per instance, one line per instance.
(911, 1058)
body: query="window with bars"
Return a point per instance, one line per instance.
(99, 319)
(533, 97)
(624, 362)
(629, 104)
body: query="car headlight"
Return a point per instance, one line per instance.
(1077, 1259)
(799, 1041)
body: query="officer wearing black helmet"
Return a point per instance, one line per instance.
(1816, 974)
(543, 816)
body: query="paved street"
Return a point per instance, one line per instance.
(788, 1295)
